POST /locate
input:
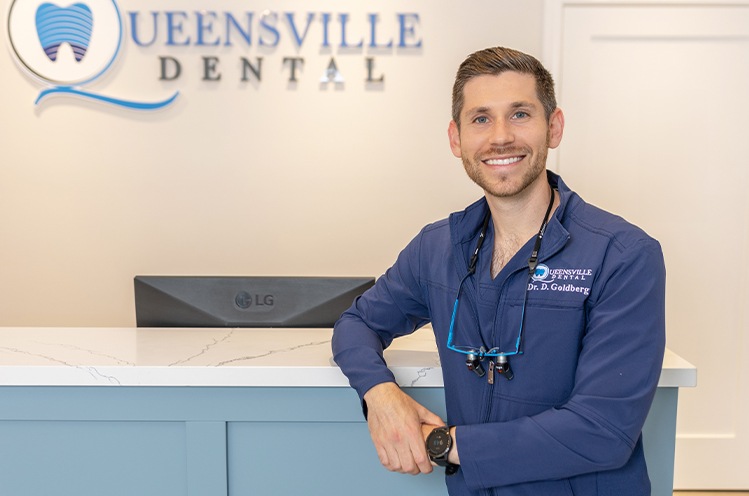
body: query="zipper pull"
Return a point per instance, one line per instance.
(490, 377)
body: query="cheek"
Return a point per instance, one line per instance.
(471, 145)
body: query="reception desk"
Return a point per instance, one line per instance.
(193, 412)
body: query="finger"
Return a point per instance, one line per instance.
(390, 457)
(383, 456)
(421, 459)
(407, 465)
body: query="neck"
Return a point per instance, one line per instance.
(520, 216)
(518, 219)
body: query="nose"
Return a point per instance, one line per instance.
(502, 133)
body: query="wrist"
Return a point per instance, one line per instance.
(439, 445)
(383, 388)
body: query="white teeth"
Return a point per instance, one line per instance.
(506, 161)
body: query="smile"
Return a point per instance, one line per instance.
(503, 161)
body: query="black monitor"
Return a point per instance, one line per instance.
(208, 301)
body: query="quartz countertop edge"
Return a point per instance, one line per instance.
(217, 357)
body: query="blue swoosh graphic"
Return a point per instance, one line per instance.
(114, 101)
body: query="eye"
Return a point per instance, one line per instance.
(482, 119)
(520, 114)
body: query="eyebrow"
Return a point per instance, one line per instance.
(514, 105)
(478, 110)
(524, 104)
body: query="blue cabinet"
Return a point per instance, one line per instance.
(186, 441)
(214, 441)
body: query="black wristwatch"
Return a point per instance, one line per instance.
(439, 443)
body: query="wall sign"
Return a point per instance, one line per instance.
(66, 47)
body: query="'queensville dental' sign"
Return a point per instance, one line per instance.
(66, 47)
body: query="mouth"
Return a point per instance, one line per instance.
(503, 161)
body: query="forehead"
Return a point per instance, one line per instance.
(499, 91)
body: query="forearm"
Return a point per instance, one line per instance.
(390, 309)
(557, 444)
(358, 351)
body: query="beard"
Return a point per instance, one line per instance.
(506, 185)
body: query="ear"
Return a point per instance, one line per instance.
(556, 128)
(454, 136)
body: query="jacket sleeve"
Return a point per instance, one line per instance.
(617, 375)
(393, 307)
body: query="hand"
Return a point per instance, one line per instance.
(395, 424)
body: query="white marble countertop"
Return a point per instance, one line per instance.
(31, 356)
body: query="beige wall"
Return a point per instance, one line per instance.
(235, 178)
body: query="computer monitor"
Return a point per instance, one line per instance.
(209, 301)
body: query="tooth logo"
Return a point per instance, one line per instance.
(56, 25)
(65, 46)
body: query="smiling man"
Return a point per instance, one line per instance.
(548, 379)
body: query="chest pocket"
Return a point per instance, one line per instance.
(544, 374)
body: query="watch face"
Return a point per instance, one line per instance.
(438, 442)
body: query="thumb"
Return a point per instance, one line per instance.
(428, 417)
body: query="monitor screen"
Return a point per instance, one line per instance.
(208, 301)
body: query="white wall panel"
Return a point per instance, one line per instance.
(656, 104)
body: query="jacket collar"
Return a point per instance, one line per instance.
(465, 225)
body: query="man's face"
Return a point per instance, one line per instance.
(504, 135)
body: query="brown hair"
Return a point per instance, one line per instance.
(495, 61)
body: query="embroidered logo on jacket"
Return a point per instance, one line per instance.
(564, 280)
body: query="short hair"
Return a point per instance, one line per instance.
(495, 61)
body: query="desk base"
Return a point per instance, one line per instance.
(210, 441)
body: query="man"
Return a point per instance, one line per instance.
(548, 314)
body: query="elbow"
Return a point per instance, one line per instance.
(619, 456)
(612, 455)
